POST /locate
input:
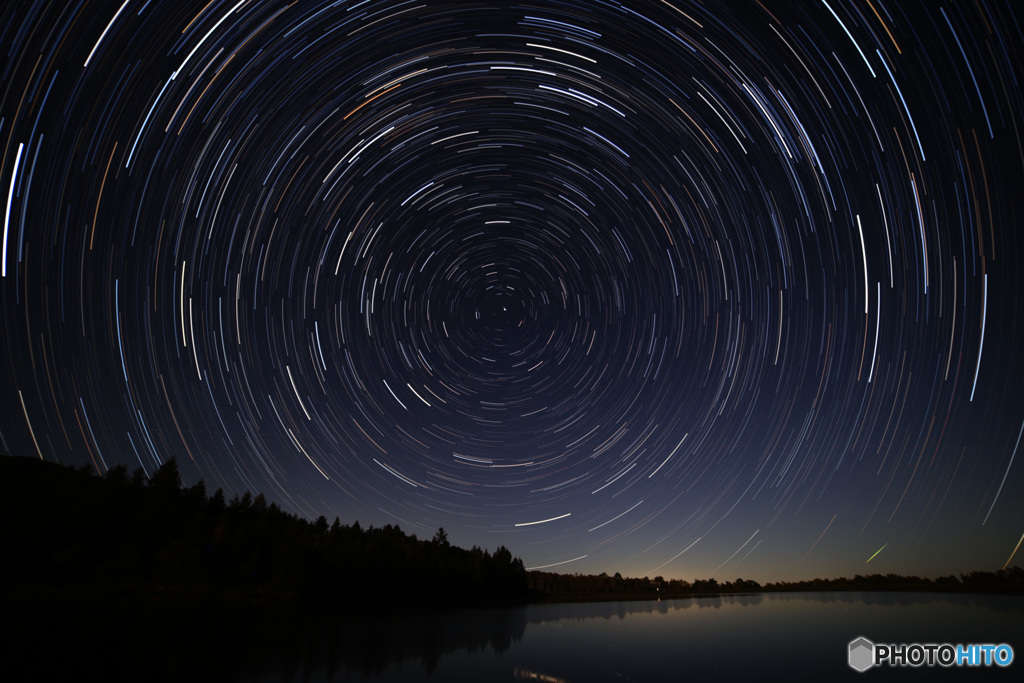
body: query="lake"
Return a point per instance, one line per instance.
(753, 637)
(761, 637)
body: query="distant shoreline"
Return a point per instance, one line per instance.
(635, 597)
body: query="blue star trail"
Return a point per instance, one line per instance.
(619, 285)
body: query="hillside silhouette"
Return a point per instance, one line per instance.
(69, 533)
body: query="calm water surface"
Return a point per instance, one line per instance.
(772, 637)
(800, 636)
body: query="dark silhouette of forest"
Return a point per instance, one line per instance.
(68, 532)
(1004, 581)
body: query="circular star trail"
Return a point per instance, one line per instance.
(651, 287)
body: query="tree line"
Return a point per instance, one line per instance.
(1001, 581)
(70, 532)
(602, 586)
(552, 586)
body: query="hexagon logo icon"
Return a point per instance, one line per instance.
(862, 654)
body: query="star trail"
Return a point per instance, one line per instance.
(654, 287)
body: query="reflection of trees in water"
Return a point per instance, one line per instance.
(995, 603)
(172, 641)
(373, 644)
(607, 610)
(87, 640)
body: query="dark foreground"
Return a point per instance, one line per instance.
(764, 637)
(134, 578)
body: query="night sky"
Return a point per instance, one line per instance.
(662, 288)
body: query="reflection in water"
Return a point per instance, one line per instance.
(527, 675)
(734, 637)
(621, 609)
(88, 640)
(1005, 604)
(372, 643)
